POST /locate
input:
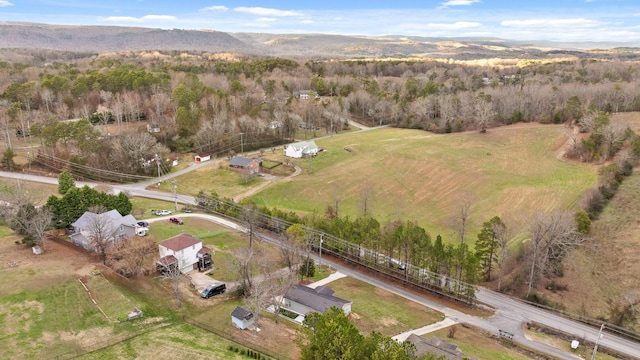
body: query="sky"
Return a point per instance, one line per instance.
(559, 20)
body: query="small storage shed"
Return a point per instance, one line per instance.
(242, 318)
(202, 158)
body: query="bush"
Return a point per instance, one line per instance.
(583, 222)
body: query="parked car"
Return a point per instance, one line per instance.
(213, 290)
(143, 224)
(176, 220)
(163, 212)
(187, 210)
(142, 231)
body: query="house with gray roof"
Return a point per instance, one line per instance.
(245, 165)
(303, 300)
(110, 226)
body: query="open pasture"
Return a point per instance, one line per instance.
(512, 171)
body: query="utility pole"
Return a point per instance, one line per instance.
(158, 164)
(241, 145)
(175, 193)
(595, 348)
(321, 241)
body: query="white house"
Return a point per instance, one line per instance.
(242, 318)
(184, 251)
(301, 149)
(303, 300)
(110, 226)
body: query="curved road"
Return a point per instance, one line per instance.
(510, 314)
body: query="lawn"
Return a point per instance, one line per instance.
(278, 339)
(45, 311)
(173, 342)
(214, 176)
(420, 176)
(223, 241)
(479, 344)
(113, 302)
(379, 310)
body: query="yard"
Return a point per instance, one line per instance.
(375, 309)
(469, 339)
(45, 311)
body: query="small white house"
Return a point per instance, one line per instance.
(182, 250)
(301, 149)
(242, 318)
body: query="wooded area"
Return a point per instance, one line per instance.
(215, 106)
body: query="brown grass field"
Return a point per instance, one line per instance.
(607, 268)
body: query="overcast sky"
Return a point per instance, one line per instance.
(560, 20)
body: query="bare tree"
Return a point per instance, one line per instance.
(100, 230)
(463, 202)
(250, 216)
(365, 195)
(132, 256)
(173, 273)
(552, 236)
(38, 224)
(484, 111)
(243, 264)
(293, 248)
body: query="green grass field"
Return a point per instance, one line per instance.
(419, 176)
(381, 311)
(215, 176)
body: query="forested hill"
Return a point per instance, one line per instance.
(318, 46)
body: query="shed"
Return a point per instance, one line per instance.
(202, 158)
(242, 318)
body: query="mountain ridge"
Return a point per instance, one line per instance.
(101, 38)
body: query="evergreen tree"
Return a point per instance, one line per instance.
(65, 182)
(487, 244)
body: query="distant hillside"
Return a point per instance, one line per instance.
(114, 38)
(304, 46)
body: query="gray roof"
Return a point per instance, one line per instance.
(319, 299)
(437, 346)
(240, 161)
(87, 220)
(241, 313)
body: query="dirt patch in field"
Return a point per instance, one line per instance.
(21, 268)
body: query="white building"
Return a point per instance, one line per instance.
(182, 250)
(301, 149)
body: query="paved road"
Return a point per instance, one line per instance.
(510, 314)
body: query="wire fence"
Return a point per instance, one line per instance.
(224, 333)
(356, 254)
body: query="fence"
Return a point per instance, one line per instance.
(356, 254)
(225, 334)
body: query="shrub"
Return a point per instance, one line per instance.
(583, 222)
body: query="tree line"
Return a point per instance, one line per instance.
(203, 105)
